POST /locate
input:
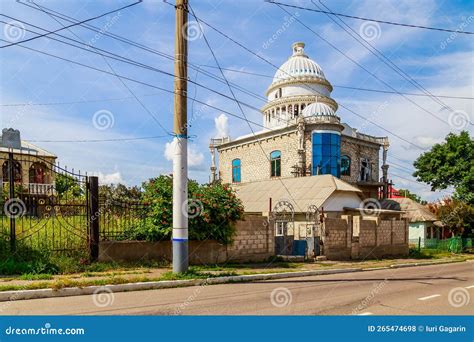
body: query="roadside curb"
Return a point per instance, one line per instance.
(154, 285)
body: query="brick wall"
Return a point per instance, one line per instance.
(254, 239)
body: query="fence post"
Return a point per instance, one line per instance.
(94, 217)
(11, 195)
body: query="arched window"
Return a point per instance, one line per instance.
(16, 171)
(38, 173)
(236, 171)
(275, 162)
(345, 166)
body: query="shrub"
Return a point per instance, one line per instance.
(213, 211)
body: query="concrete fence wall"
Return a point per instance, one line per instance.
(253, 241)
(376, 238)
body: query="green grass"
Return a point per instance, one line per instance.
(428, 253)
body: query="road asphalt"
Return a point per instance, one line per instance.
(446, 289)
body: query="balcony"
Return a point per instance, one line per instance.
(41, 189)
(32, 188)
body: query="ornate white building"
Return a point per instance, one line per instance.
(302, 135)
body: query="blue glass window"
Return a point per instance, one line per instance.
(236, 176)
(326, 154)
(275, 164)
(345, 166)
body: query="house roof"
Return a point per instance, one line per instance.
(415, 212)
(300, 191)
(29, 149)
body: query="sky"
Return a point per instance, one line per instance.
(63, 103)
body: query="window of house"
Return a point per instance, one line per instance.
(275, 163)
(236, 171)
(345, 166)
(280, 227)
(37, 173)
(365, 170)
(16, 171)
(326, 153)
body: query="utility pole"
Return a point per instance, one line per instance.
(180, 160)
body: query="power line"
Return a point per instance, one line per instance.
(368, 19)
(133, 43)
(349, 87)
(382, 57)
(75, 24)
(136, 81)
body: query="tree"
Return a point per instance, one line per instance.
(449, 164)
(213, 211)
(120, 192)
(68, 186)
(410, 195)
(457, 216)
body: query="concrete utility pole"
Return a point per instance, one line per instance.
(180, 160)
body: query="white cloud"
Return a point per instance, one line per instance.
(222, 126)
(195, 158)
(111, 178)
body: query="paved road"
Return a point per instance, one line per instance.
(405, 291)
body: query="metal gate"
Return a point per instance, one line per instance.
(283, 215)
(47, 208)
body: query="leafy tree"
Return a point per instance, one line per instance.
(457, 216)
(213, 211)
(449, 164)
(411, 195)
(121, 192)
(68, 186)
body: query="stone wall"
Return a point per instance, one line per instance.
(255, 164)
(255, 156)
(376, 238)
(253, 241)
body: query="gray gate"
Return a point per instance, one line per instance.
(283, 215)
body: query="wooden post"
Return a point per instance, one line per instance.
(94, 218)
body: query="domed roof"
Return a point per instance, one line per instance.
(298, 65)
(318, 109)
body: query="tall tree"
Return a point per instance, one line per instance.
(449, 164)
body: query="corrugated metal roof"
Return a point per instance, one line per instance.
(300, 191)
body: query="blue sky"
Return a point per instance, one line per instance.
(440, 61)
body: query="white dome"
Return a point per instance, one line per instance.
(298, 65)
(318, 109)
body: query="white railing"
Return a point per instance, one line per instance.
(40, 189)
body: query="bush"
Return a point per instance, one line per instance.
(213, 211)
